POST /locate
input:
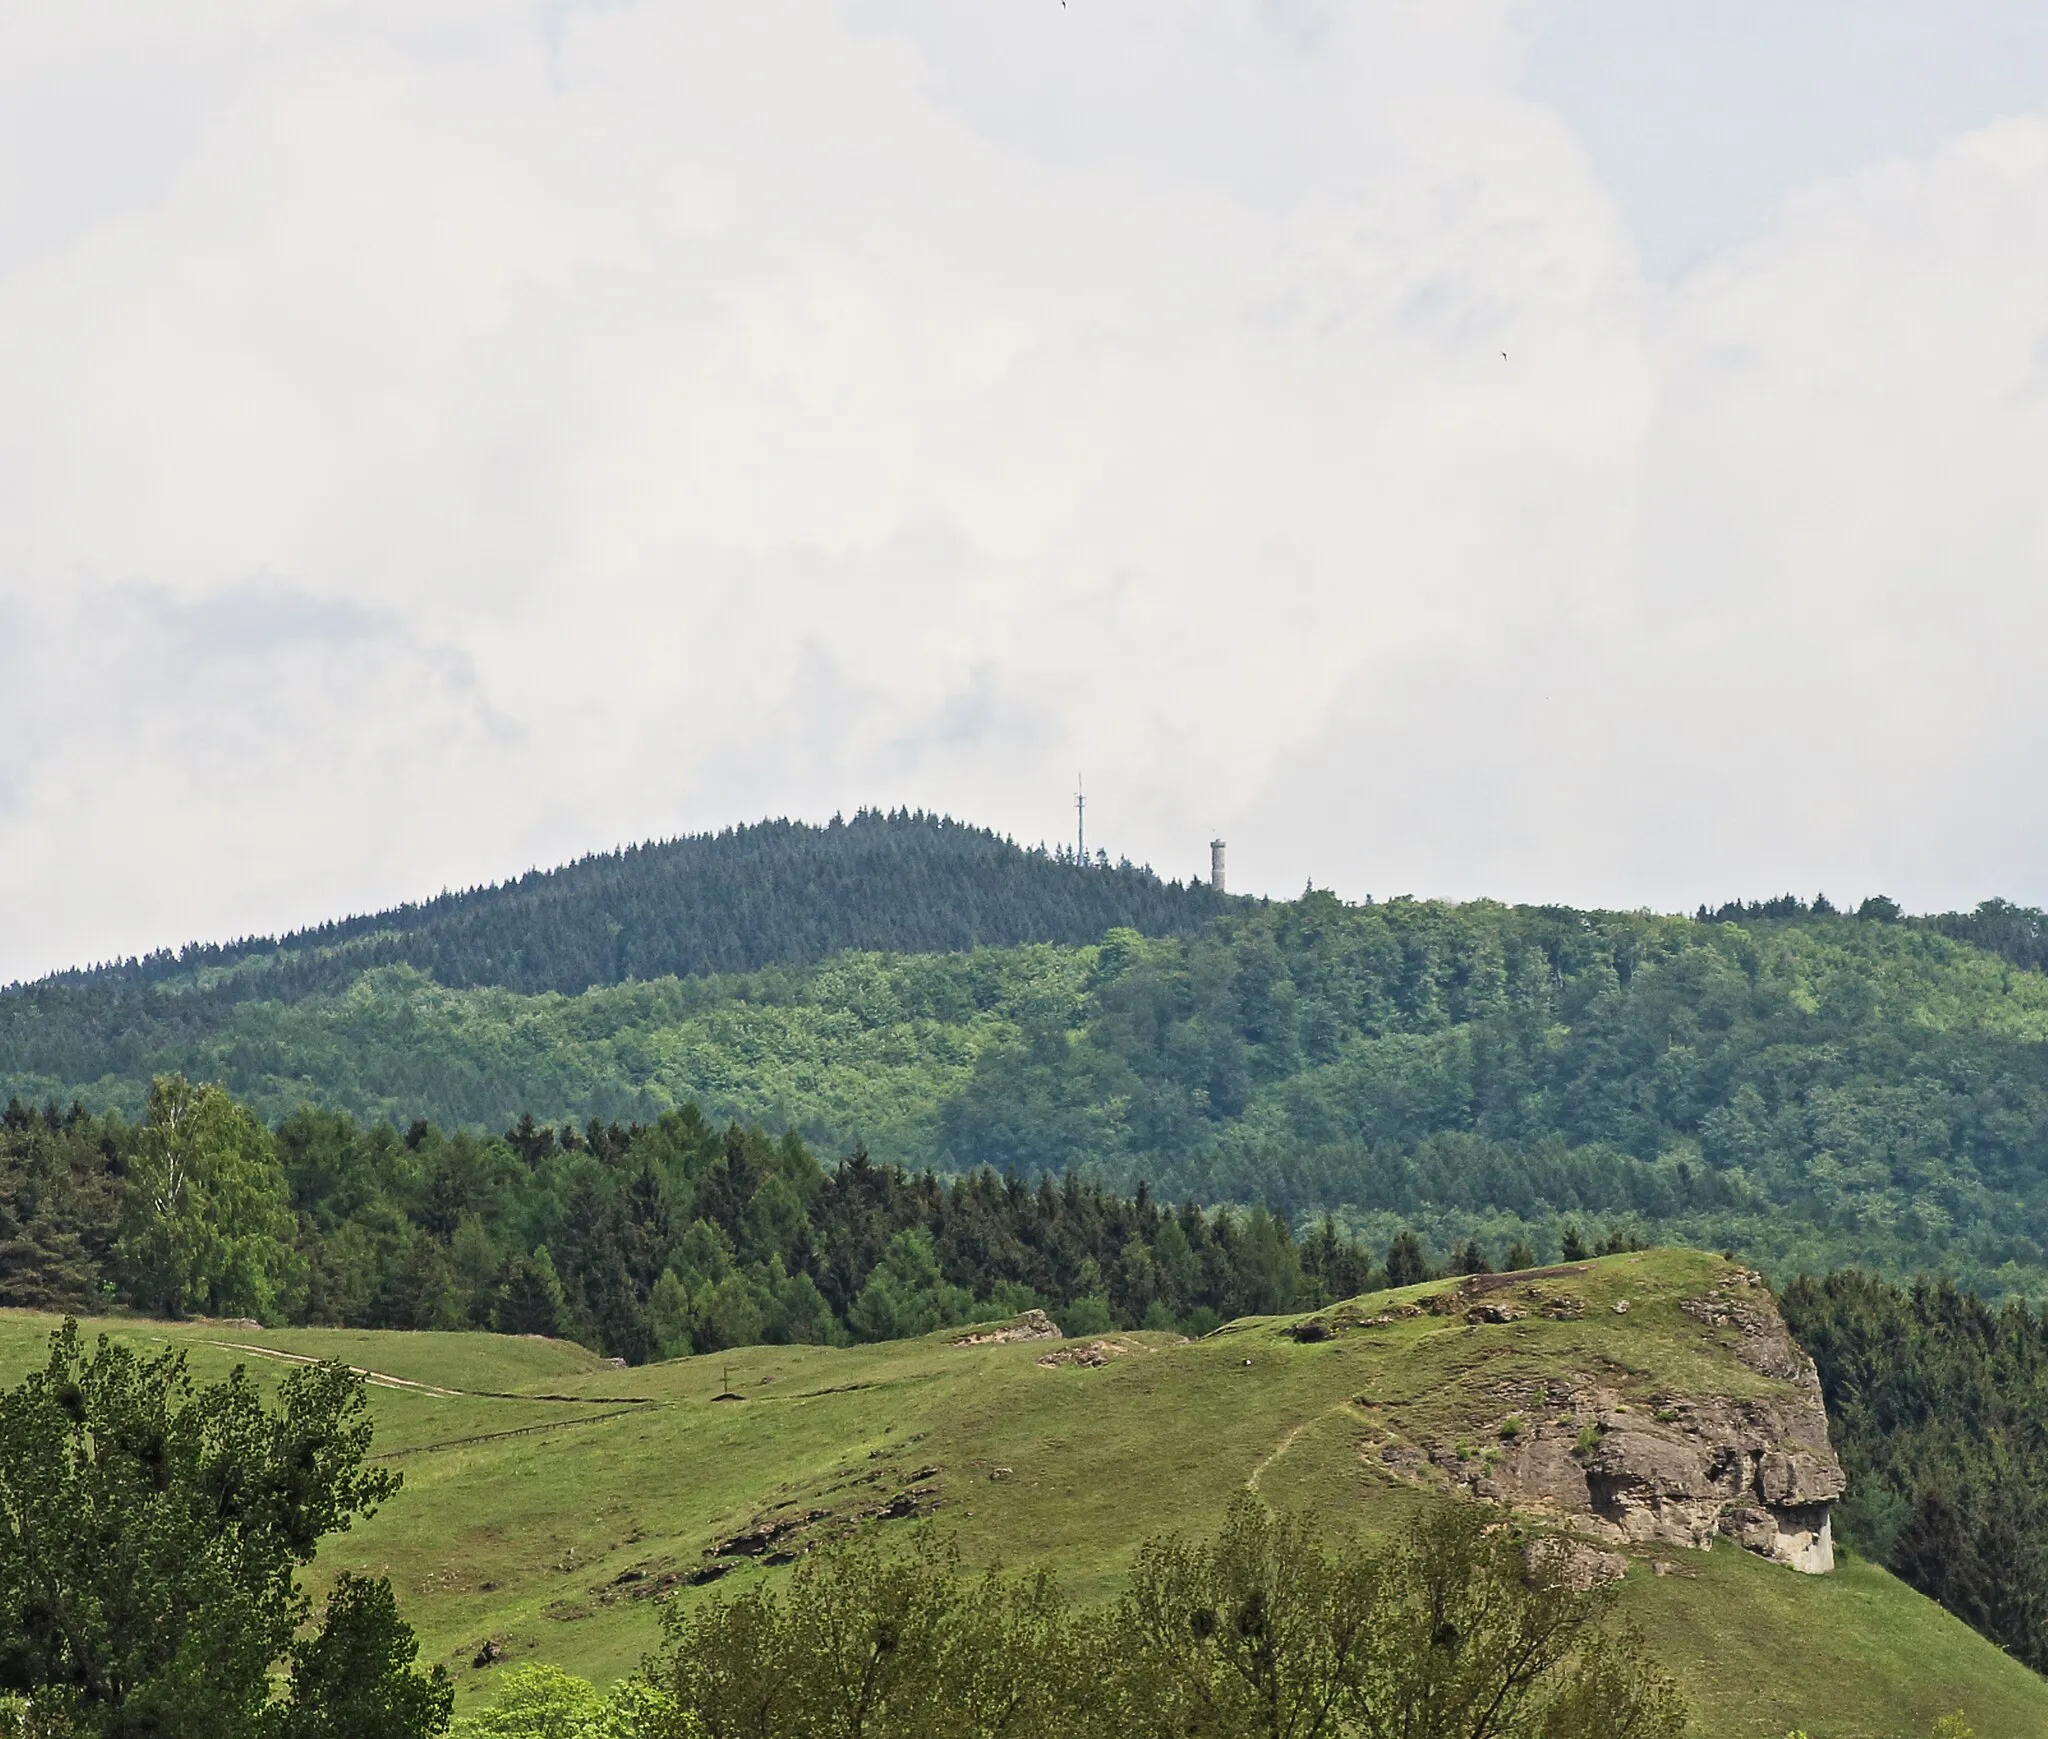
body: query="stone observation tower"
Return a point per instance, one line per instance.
(1216, 864)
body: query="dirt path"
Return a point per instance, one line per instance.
(384, 1380)
(1288, 1442)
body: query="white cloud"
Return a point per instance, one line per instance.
(443, 438)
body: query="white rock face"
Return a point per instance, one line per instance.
(1758, 1471)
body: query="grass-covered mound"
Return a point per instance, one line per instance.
(550, 1499)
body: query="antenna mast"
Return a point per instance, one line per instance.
(1080, 822)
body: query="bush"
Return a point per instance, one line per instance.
(862, 1642)
(1085, 1316)
(543, 1702)
(1269, 1630)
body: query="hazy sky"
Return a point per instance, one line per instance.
(1590, 452)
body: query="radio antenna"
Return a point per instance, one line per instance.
(1080, 821)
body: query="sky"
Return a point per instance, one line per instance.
(1570, 451)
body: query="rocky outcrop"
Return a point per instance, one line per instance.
(1680, 1471)
(1030, 1325)
(1573, 1563)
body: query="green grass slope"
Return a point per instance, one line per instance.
(549, 1497)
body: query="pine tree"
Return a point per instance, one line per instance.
(1406, 1265)
(531, 1301)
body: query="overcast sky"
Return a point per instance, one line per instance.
(1589, 452)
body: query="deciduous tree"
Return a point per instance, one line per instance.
(151, 1533)
(208, 1225)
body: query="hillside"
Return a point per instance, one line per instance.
(549, 1498)
(1814, 1089)
(736, 901)
(1810, 1087)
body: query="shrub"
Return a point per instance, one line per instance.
(1271, 1629)
(1088, 1315)
(543, 1702)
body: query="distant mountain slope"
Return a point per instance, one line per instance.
(1809, 1089)
(713, 902)
(736, 901)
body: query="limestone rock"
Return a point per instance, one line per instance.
(1541, 1469)
(1575, 1563)
(1029, 1325)
(1755, 1470)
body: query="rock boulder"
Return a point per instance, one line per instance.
(1757, 1470)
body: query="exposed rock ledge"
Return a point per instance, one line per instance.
(1030, 1325)
(1678, 1472)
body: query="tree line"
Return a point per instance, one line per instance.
(1816, 1089)
(1938, 1406)
(642, 1242)
(2016, 934)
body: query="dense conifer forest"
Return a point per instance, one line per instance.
(1807, 1086)
(641, 1242)
(1938, 1406)
(734, 901)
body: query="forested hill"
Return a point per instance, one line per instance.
(750, 897)
(710, 902)
(1805, 1086)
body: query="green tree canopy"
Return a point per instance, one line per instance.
(1465, 1629)
(208, 1224)
(907, 1293)
(151, 1533)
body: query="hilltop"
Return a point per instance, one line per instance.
(733, 901)
(730, 902)
(1807, 1086)
(551, 1501)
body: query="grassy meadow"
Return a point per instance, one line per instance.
(550, 1498)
